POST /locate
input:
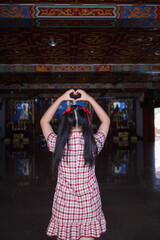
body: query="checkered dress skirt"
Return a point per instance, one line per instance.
(76, 210)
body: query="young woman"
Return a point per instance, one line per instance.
(76, 213)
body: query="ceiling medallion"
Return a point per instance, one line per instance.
(157, 53)
(52, 42)
(145, 39)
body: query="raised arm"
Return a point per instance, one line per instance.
(46, 119)
(103, 117)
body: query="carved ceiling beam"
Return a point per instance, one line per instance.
(36, 15)
(93, 86)
(36, 11)
(50, 68)
(76, 2)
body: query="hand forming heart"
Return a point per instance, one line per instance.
(75, 95)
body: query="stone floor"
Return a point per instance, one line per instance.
(129, 182)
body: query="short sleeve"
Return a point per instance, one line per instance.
(100, 140)
(51, 141)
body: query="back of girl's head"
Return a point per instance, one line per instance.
(78, 117)
(75, 117)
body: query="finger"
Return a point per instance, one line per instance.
(71, 99)
(79, 89)
(71, 91)
(79, 92)
(78, 95)
(78, 99)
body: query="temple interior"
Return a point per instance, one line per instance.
(110, 49)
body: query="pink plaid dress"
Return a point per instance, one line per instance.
(76, 210)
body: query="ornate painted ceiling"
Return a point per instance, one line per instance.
(81, 1)
(79, 46)
(113, 45)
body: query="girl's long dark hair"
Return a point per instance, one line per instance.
(68, 121)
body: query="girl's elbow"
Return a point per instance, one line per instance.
(108, 119)
(41, 121)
